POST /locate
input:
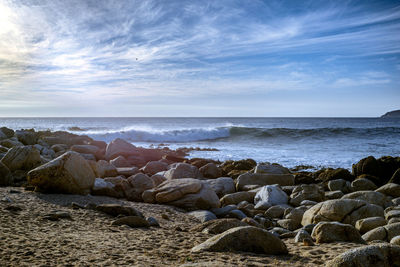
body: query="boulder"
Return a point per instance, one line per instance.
(306, 192)
(69, 173)
(27, 137)
(11, 142)
(7, 132)
(268, 168)
(276, 211)
(368, 166)
(346, 211)
(328, 232)
(187, 193)
(182, 170)
(120, 162)
(395, 240)
(382, 255)
(120, 147)
(127, 171)
(301, 236)
(396, 177)
(222, 185)
(339, 184)
(367, 224)
(362, 184)
(334, 174)
(218, 226)
(6, 178)
(271, 195)
(88, 149)
(333, 194)
(237, 197)
(153, 167)
(210, 170)
(254, 179)
(383, 233)
(139, 183)
(371, 197)
(392, 213)
(105, 188)
(245, 238)
(157, 179)
(390, 189)
(203, 215)
(104, 169)
(289, 224)
(22, 158)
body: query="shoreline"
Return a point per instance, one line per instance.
(70, 199)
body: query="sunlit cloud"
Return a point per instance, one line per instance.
(106, 51)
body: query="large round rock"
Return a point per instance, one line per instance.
(70, 173)
(244, 238)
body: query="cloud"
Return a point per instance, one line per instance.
(131, 49)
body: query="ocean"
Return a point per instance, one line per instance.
(319, 142)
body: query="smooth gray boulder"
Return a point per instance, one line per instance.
(245, 238)
(328, 232)
(271, 195)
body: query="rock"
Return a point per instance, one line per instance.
(218, 226)
(383, 233)
(367, 224)
(210, 170)
(57, 215)
(289, 224)
(296, 214)
(21, 158)
(157, 179)
(267, 168)
(120, 147)
(104, 169)
(203, 215)
(276, 211)
(308, 203)
(339, 184)
(271, 195)
(240, 166)
(7, 132)
(154, 167)
(105, 188)
(382, 255)
(334, 174)
(139, 183)
(182, 170)
(306, 192)
(6, 178)
(69, 173)
(127, 171)
(59, 148)
(396, 177)
(370, 197)
(362, 184)
(152, 221)
(87, 149)
(328, 232)
(120, 162)
(237, 197)
(27, 137)
(251, 222)
(245, 238)
(389, 214)
(11, 142)
(222, 185)
(222, 212)
(302, 178)
(132, 221)
(116, 209)
(346, 211)
(390, 189)
(238, 214)
(396, 201)
(395, 240)
(254, 179)
(186, 193)
(301, 236)
(368, 166)
(334, 194)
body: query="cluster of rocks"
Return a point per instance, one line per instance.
(248, 206)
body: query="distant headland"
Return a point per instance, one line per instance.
(392, 114)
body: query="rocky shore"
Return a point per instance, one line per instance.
(71, 200)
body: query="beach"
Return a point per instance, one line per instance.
(71, 200)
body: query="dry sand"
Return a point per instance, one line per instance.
(26, 239)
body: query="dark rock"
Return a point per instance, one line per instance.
(5, 175)
(115, 210)
(132, 221)
(333, 174)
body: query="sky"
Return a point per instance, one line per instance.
(199, 58)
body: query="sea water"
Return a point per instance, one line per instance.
(319, 142)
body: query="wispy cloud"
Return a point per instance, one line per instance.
(104, 50)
